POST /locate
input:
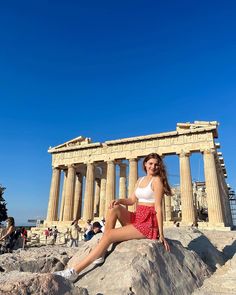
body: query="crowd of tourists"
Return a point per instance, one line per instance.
(75, 233)
(12, 237)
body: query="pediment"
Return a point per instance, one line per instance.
(78, 141)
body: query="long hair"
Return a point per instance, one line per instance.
(11, 222)
(161, 171)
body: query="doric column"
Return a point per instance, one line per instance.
(69, 194)
(224, 196)
(97, 196)
(89, 193)
(212, 189)
(63, 196)
(163, 209)
(54, 195)
(102, 203)
(133, 177)
(111, 183)
(186, 190)
(122, 184)
(78, 196)
(167, 201)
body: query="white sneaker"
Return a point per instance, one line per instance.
(69, 274)
(99, 260)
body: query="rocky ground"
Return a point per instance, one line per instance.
(195, 265)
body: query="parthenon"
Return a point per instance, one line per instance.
(89, 174)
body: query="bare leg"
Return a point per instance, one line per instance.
(117, 212)
(125, 233)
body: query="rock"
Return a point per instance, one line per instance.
(24, 283)
(144, 267)
(133, 267)
(223, 281)
(196, 241)
(43, 259)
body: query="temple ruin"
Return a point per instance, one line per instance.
(88, 171)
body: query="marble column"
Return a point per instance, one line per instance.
(133, 177)
(167, 201)
(102, 204)
(215, 213)
(224, 196)
(163, 205)
(122, 184)
(63, 196)
(97, 196)
(69, 194)
(186, 189)
(110, 184)
(78, 196)
(89, 193)
(54, 195)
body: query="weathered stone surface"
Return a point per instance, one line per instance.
(43, 259)
(144, 267)
(195, 240)
(25, 283)
(222, 282)
(134, 267)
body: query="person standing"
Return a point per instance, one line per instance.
(74, 233)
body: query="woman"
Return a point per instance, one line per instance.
(146, 222)
(8, 237)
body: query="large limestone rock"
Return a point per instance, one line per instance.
(41, 260)
(223, 281)
(24, 283)
(143, 267)
(134, 267)
(196, 241)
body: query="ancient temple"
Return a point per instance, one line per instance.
(89, 173)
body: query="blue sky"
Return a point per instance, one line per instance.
(108, 70)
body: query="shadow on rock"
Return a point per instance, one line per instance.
(208, 253)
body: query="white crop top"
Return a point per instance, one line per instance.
(145, 194)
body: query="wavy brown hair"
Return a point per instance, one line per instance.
(11, 221)
(161, 171)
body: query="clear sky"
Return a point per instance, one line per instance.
(108, 70)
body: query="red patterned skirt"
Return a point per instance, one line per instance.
(145, 221)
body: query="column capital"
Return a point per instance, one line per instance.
(132, 159)
(70, 166)
(183, 154)
(209, 151)
(56, 167)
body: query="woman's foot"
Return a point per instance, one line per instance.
(69, 274)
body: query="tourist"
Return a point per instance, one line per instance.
(95, 230)
(88, 227)
(146, 222)
(47, 234)
(74, 233)
(24, 236)
(54, 234)
(9, 237)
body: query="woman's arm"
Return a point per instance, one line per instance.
(127, 202)
(9, 231)
(159, 194)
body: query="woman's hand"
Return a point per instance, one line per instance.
(113, 204)
(164, 243)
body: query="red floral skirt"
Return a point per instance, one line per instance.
(145, 221)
